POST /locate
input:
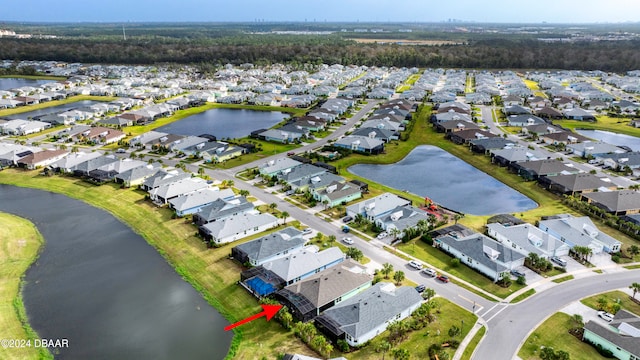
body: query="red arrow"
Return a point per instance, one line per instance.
(268, 311)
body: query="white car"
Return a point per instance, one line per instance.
(430, 272)
(382, 235)
(605, 316)
(416, 265)
(347, 240)
(306, 231)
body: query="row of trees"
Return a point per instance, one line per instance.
(491, 53)
(609, 219)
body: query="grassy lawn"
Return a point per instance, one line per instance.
(631, 267)
(554, 333)
(72, 99)
(616, 125)
(471, 347)
(523, 296)
(441, 260)
(563, 279)
(419, 341)
(20, 242)
(208, 270)
(535, 87)
(613, 296)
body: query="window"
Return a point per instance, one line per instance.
(398, 316)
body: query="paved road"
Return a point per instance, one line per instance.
(511, 326)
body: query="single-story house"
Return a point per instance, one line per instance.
(193, 202)
(277, 166)
(236, 227)
(482, 254)
(524, 120)
(621, 336)
(381, 134)
(377, 207)
(222, 208)
(269, 247)
(483, 146)
(163, 193)
(587, 148)
(310, 297)
(549, 113)
(532, 170)
(571, 184)
(337, 193)
(580, 231)
(136, 176)
(577, 113)
(619, 161)
(526, 238)
(563, 137)
(402, 218)
(465, 136)
(453, 126)
(367, 314)
(163, 177)
(42, 158)
(363, 144)
(623, 202)
(511, 155)
(68, 162)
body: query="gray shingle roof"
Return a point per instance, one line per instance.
(199, 198)
(615, 201)
(221, 208)
(272, 244)
(580, 182)
(300, 263)
(611, 332)
(475, 247)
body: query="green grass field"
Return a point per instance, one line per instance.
(613, 296)
(616, 125)
(20, 242)
(554, 332)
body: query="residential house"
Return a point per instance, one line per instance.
(563, 137)
(236, 227)
(377, 207)
(136, 176)
(540, 129)
(221, 209)
(108, 172)
(195, 201)
(511, 155)
(387, 124)
(549, 113)
(490, 258)
(453, 126)
(337, 193)
(163, 193)
(297, 175)
(484, 146)
(619, 161)
(402, 218)
(623, 202)
(367, 314)
(525, 120)
(100, 135)
(163, 177)
(283, 271)
(65, 164)
(526, 239)
(314, 182)
(285, 134)
(269, 247)
(381, 134)
(23, 127)
(277, 166)
(580, 231)
(621, 336)
(577, 113)
(90, 164)
(310, 297)
(587, 148)
(465, 136)
(572, 184)
(363, 144)
(532, 170)
(41, 158)
(517, 110)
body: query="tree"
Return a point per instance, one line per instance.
(633, 250)
(284, 215)
(394, 232)
(244, 192)
(383, 347)
(332, 239)
(457, 217)
(386, 270)
(577, 320)
(635, 287)
(428, 294)
(354, 253)
(400, 354)
(273, 207)
(454, 331)
(398, 277)
(285, 318)
(306, 331)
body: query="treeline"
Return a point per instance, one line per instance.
(487, 54)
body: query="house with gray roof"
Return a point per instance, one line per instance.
(163, 193)
(402, 218)
(517, 110)
(366, 315)
(483, 146)
(68, 162)
(269, 247)
(572, 184)
(453, 126)
(236, 227)
(83, 168)
(532, 170)
(385, 135)
(383, 124)
(146, 138)
(277, 166)
(193, 202)
(524, 120)
(285, 134)
(563, 137)
(377, 207)
(482, 253)
(549, 113)
(363, 144)
(136, 176)
(526, 239)
(301, 172)
(308, 298)
(540, 129)
(580, 231)
(315, 182)
(621, 336)
(337, 193)
(619, 161)
(577, 113)
(163, 177)
(587, 148)
(222, 208)
(511, 155)
(623, 202)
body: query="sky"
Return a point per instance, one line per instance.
(504, 11)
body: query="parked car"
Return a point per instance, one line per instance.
(346, 219)
(559, 261)
(347, 240)
(416, 265)
(121, 151)
(290, 153)
(306, 231)
(382, 235)
(605, 316)
(517, 273)
(345, 229)
(429, 272)
(443, 278)
(421, 288)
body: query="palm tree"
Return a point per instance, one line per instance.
(635, 287)
(383, 347)
(273, 206)
(633, 250)
(602, 303)
(398, 277)
(244, 192)
(284, 216)
(400, 354)
(331, 239)
(386, 270)
(457, 217)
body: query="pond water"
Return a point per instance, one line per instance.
(432, 172)
(51, 110)
(102, 287)
(612, 138)
(225, 123)
(12, 83)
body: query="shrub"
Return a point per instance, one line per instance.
(343, 345)
(615, 258)
(521, 280)
(455, 262)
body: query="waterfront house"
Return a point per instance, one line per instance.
(580, 231)
(236, 227)
(269, 247)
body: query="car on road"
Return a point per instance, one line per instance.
(416, 265)
(290, 153)
(345, 229)
(443, 278)
(346, 219)
(421, 288)
(605, 316)
(517, 273)
(347, 240)
(559, 261)
(382, 235)
(121, 151)
(429, 272)
(306, 231)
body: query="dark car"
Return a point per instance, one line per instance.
(420, 288)
(517, 273)
(346, 219)
(443, 278)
